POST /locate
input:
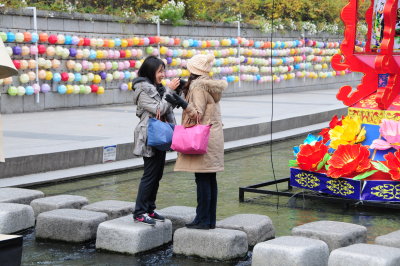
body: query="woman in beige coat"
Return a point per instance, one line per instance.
(202, 96)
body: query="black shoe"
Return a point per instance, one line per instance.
(198, 226)
(212, 226)
(157, 217)
(191, 224)
(144, 220)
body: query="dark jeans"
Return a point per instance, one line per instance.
(147, 193)
(207, 192)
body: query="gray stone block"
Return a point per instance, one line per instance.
(219, 244)
(86, 26)
(53, 100)
(123, 235)
(365, 255)
(179, 215)
(101, 27)
(55, 24)
(139, 29)
(257, 227)
(69, 225)
(58, 202)
(88, 99)
(11, 104)
(21, 22)
(15, 217)
(71, 25)
(391, 239)
(106, 98)
(113, 208)
(72, 100)
(41, 23)
(19, 195)
(291, 251)
(5, 19)
(115, 28)
(30, 104)
(335, 234)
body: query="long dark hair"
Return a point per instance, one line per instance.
(149, 68)
(192, 77)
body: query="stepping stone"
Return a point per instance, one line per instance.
(365, 255)
(391, 239)
(113, 208)
(58, 202)
(335, 234)
(123, 235)
(70, 225)
(257, 227)
(179, 215)
(15, 217)
(291, 251)
(19, 195)
(218, 244)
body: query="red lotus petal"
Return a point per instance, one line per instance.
(348, 160)
(310, 156)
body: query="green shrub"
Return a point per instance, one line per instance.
(171, 11)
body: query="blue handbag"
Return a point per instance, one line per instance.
(159, 134)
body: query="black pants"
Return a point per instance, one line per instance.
(147, 193)
(207, 192)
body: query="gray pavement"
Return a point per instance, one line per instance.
(246, 122)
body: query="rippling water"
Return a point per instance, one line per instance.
(242, 168)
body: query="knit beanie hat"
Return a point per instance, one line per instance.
(200, 64)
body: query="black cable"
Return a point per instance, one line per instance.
(272, 101)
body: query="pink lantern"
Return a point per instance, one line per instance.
(36, 88)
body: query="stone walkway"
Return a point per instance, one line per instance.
(31, 138)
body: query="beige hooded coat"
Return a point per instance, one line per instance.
(203, 97)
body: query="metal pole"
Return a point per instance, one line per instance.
(37, 96)
(158, 34)
(238, 22)
(303, 35)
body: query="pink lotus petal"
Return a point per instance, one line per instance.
(380, 144)
(388, 128)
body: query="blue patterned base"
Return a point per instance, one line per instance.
(388, 191)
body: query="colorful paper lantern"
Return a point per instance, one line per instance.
(31, 75)
(45, 88)
(12, 91)
(100, 90)
(61, 89)
(52, 39)
(24, 78)
(36, 88)
(29, 90)
(56, 77)
(10, 36)
(64, 76)
(124, 87)
(69, 89)
(3, 36)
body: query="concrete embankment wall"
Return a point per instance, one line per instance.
(102, 26)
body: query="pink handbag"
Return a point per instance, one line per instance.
(191, 140)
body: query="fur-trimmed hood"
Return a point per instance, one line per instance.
(214, 87)
(142, 84)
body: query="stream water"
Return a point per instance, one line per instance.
(242, 168)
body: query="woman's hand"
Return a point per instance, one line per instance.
(174, 84)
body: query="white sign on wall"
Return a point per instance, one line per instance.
(109, 153)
